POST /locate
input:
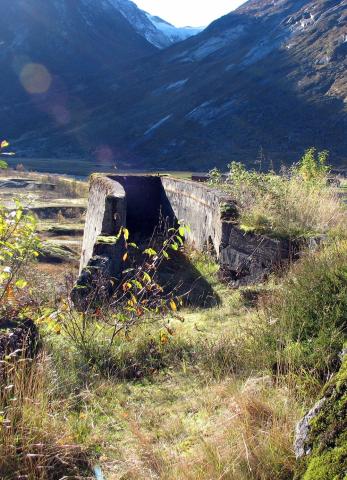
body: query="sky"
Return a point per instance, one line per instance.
(195, 13)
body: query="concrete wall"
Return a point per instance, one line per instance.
(106, 213)
(136, 202)
(199, 207)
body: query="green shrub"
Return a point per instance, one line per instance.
(307, 315)
(313, 166)
(297, 203)
(18, 247)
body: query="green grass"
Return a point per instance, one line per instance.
(217, 397)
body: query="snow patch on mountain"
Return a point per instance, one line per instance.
(207, 113)
(177, 85)
(157, 125)
(175, 34)
(212, 45)
(156, 30)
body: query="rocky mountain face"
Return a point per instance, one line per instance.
(53, 55)
(156, 30)
(258, 85)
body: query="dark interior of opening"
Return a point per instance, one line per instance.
(144, 204)
(147, 206)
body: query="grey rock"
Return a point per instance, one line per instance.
(303, 428)
(19, 338)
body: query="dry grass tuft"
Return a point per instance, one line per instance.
(34, 443)
(248, 434)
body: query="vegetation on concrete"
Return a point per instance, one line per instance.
(298, 203)
(161, 389)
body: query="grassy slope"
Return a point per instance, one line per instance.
(198, 418)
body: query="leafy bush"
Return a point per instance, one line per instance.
(313, 166)
(307, 315)
(18, 246)
(114, 310)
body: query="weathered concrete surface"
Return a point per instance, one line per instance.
(212, 217)
(199, 207)
(247, 257)
(102, 248)
(106, 213)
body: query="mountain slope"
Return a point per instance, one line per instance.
(55, 56)
(269, 77)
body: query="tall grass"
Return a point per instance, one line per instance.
(34, 443)
(248, 435)
(292, 204)
(307, 314)
(294, 208)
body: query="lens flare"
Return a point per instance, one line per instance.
(35, 78)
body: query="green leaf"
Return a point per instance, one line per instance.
(179, 239)
(182, 231)
(19, 214)
(150, 252)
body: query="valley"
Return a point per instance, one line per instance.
(173, 241)
(259, 85)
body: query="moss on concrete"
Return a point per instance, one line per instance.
(107, 239)
(328, 434)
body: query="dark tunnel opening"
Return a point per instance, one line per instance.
(148, 212)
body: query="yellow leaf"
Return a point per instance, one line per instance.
(125, 256)
(57, 329)
(173, 306)
(126, 286)
(4, 144)
(126, 233)
(164, 338)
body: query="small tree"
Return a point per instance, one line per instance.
(313, 165)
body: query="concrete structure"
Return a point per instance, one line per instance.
(137, 201)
